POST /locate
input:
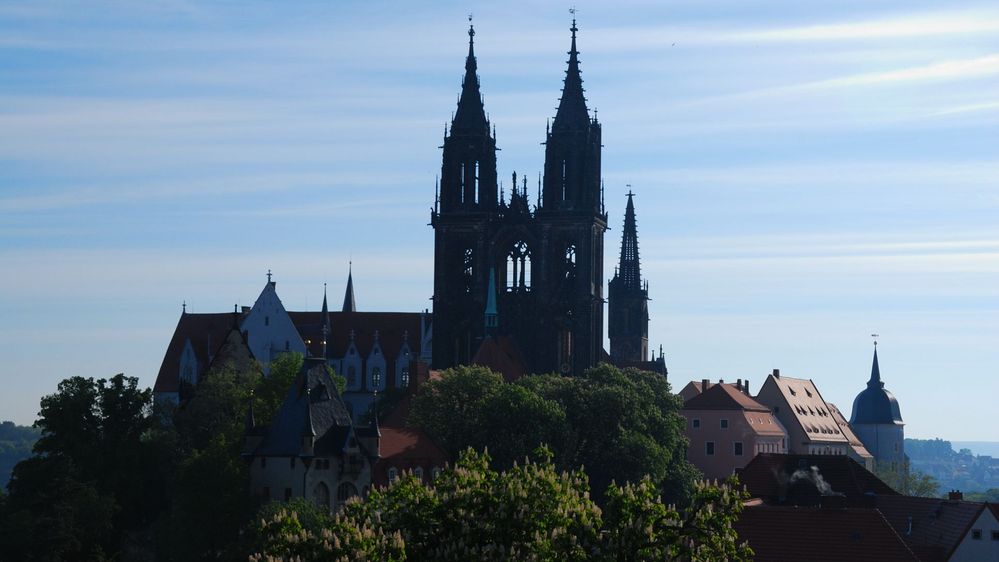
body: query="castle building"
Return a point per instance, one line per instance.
(877, 421)
(540, 266)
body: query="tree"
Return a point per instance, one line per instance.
(907, 480)
(530, 512)
(271, 390)
(619, 424)
(90, 481)
(16, 442)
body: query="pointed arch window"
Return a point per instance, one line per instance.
(461, 184)
(468, 271)
(570, 261)
(475, 184)
(518, 268)
(564, 181)
(344, 492)
(321, 496)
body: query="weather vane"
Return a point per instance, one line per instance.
(572, 10)
(875, 336)
(469, 17)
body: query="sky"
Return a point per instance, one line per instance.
(806, 174)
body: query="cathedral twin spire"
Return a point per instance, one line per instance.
(470, 118)
(572, 112)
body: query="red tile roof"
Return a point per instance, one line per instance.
(816, 534)
(938, 525)
(768, 476)
(501, 355)
(723, 397)
(405, 447)
(207, 333)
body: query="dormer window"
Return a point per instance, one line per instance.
(267, 320)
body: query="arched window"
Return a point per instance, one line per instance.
(377, 382)
(405, 377)
(564, 181)
(435, 472)
(418, 472)
(570, 261)
(393, 474)
(475, 184)
(351, 376)
(321, 496)
(461, 186)
(467, 275)
(344, 492)
(518, 268)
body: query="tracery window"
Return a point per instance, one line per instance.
(321, 496)
(345, 491)
(468, 263)
(518, 268)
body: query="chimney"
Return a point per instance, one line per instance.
(745, 387)
(721, 381)
(955, 496)
(704, 384)
(776, 373)
(738, 385)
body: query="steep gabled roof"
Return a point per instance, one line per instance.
(938, 525)
(206, 333)
(312, 407)
(818, 534)
(502, 355)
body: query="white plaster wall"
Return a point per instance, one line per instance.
(885, 441)
(983, 550)
(269, 329)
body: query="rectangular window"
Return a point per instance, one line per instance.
(976, 534)
(695, 423)
(995, 535)
(709, 448)
(724, 424)
(738, 448)
(287, 494)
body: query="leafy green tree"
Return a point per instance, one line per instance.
(92, 480)
(450, 407)
(619, 424)
(16, 443)
(52, 515)
(907, 480)
(272, 389)
(529, 512)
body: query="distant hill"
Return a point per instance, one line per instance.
(989, 448)
(16, 442)
(963, 465)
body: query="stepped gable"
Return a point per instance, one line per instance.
(821, 534)
(769, 477)
(206, 331)
(938, 525)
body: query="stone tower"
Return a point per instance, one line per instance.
(628, 308)
(543, 266)
(877, 421)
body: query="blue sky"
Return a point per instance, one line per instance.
(807, 173)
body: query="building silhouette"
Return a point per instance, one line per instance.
(529, 272)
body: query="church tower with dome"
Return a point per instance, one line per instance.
(877, 421)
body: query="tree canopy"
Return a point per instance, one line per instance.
(619, 424)
(529, 512)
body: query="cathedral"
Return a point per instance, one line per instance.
(530, 273)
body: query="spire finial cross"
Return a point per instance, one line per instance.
(184, 306)
(268, 276)
(572, 11)
(630, 194)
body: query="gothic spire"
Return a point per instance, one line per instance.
(630, 268)
(348, 295)
(875, 381)
(572, 113)
(471, 115)
(326, 324)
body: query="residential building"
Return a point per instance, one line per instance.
(727, 428)
(810, 423)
